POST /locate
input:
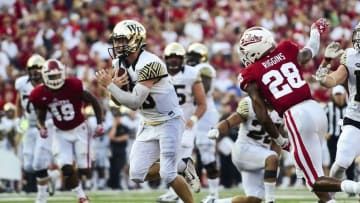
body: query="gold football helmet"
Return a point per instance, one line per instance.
(35, 61)
(174, 54)
(33, 66)
(127, 37)
(196, 53)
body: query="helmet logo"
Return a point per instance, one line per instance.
(250, 39)
(135, 29)
(52, 66)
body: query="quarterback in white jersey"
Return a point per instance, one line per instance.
(153, 94)
(192, 99)
(197, 56)
(37, 152)
(347, 74)
(252, 153)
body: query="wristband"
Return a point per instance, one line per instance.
(194, 119)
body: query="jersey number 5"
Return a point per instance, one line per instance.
(275, 80)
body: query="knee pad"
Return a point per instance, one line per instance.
(41, 174)
(67, 170)
(211, 170)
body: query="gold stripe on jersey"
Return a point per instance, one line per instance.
(206, 71)
(343, 59)
(198, 78)
(243, 109)
(152, 70)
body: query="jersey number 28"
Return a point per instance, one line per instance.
(275, 80)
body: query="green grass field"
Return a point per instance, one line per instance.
(149, 196)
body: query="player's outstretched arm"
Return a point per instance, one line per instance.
(313, 45)
(337, 77)
(225, 125)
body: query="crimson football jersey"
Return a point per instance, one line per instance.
(64, 104)
(278, 77)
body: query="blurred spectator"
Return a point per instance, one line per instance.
(119, 134)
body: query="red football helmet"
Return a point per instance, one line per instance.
(54, 74)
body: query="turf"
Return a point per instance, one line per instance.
(149, 196)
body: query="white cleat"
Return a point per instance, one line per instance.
(168, 197)
(40, 200)
(191, 177)
(208, 199)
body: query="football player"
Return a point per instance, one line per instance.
(63, 98)
(252, 154)
(37, 152)
(159, 136)
(197, 56)
(273, 74)
(347, 74)
(192, 99)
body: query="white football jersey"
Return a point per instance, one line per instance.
(208, 70)
(162, 103)
(23, 86)
(211, 115)
(183, 82)
(351, 61)
(251, 131)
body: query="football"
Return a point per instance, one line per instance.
(120, 72)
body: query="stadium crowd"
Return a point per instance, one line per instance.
(77, 33)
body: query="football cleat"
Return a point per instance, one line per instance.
(84, 200)
(208, 199)
(191, 176)
(168, 197)
(40, 200)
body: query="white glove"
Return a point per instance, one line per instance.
(321, 72)
(213, 134)
(333, 50)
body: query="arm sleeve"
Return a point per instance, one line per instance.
(133, 99)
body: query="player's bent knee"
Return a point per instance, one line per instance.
(40, 165)
(137, 176)
(212, 171)
(345, 163)
(168, 177)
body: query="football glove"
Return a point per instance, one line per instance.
(333, 50)
(99, 130)
(321, 24)
(43, 132)
(321, 73)
(213, 134)
(282, 142)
